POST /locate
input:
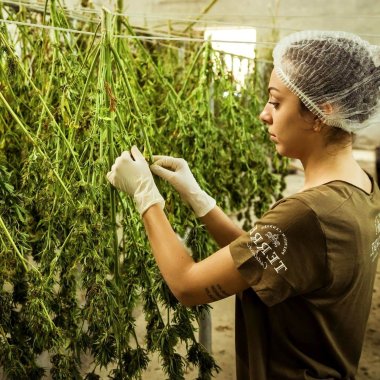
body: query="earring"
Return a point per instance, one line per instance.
(317, 124)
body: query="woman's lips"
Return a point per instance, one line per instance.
(272, 137)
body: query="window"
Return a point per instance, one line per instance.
(238, 44)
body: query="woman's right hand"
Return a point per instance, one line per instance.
(177, 172)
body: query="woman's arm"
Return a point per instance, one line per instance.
(221, 227)
(192, 283)
(177, 172)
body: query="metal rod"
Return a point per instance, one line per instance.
(205, 330)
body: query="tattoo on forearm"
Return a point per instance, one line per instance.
(216, 292)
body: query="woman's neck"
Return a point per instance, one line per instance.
(327, 165)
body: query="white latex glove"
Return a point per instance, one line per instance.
(130, 173)
(176, 171)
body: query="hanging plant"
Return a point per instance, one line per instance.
(75, 259)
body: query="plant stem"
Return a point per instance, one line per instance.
(53, 262)
(84, 91)
(173, 96)
(52, 73)
(119, 9)
(27, 76)
(33, 140)
(190, 71)
(204, 11)
(106, 62)
(132, 95)
(24, 262)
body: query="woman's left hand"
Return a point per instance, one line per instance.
(131, 174)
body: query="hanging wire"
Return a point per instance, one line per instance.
(71, 13)
(153, 35)
(193, 16)
(131, 37)
(49, 27)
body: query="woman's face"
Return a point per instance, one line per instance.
(289, 129)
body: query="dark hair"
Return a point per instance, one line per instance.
(334, 135)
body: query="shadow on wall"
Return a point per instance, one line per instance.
(368, 138)
(377, 150)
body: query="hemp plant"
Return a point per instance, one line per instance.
(76, 263)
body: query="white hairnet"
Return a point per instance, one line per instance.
(335, 74)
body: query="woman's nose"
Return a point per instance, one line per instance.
(265, 115)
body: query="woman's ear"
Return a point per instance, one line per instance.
(318, 123)
(327, 108)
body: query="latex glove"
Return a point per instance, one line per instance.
(130, 173)
(176, 171)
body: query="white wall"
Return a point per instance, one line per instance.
(358, 16)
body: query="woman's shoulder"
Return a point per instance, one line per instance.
(331, 197)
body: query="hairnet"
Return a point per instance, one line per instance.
(335, 74)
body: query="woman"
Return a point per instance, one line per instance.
(304, 273)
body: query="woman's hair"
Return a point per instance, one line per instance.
(334, 135)
(336, 75)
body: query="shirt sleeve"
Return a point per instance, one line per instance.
(284, 254)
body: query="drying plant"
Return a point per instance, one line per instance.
(75, 262)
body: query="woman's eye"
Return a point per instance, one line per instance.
(274, 104)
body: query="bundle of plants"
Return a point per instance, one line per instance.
(75, 261)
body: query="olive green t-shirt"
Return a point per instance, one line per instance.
(311, 262)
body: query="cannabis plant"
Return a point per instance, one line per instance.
(75, 262)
